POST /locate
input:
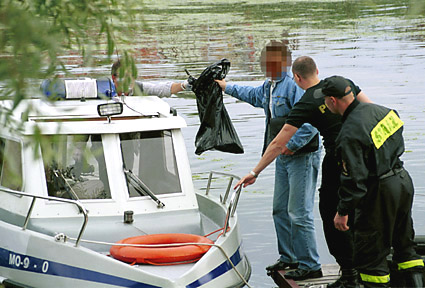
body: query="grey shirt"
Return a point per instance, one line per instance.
(161, 89)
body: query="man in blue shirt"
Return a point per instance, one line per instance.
(295, 174)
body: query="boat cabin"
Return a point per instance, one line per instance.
(116, 156)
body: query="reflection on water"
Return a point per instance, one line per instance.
(380, 44)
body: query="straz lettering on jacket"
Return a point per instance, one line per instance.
(385, 128)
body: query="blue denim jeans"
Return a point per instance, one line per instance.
(293, 202)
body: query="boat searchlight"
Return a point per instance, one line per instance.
(109, 109)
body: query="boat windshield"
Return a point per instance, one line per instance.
(150, 156)
(75, 167)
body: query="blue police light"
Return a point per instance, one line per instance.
(78, 89)
(105, 88)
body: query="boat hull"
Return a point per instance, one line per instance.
(94, 182)
(34, 259)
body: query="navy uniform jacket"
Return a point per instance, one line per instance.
(369, 145)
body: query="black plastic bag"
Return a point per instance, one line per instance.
(216, 131)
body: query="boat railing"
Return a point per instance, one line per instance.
(50, 198)
(234, 199)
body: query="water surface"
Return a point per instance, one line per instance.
(380, 45)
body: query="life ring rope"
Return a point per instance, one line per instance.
(166, 264)
(162, 255)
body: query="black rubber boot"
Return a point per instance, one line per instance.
(348, 279)
(414, 279)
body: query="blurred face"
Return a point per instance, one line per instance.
(275, 63)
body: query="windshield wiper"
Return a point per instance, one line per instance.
(141, 187)
(61, 182)
(59, 175)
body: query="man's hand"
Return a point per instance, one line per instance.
(222, 84)
(340, 222)
(246, 180)
(286, 151)
(186, 86)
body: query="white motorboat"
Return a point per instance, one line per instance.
(107, 170)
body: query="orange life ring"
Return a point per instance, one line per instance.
(161, 255)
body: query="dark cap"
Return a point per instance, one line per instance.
(333, 86)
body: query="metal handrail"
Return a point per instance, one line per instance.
(234, 199)
(226, 195)
(50, 198)
(226, 221)
(236, 195)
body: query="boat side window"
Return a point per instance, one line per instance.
(151, 157)
(11, 164)
(75, 167)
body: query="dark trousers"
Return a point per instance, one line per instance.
(384, 220)
(340, 244)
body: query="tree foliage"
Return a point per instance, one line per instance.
(34, 33)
